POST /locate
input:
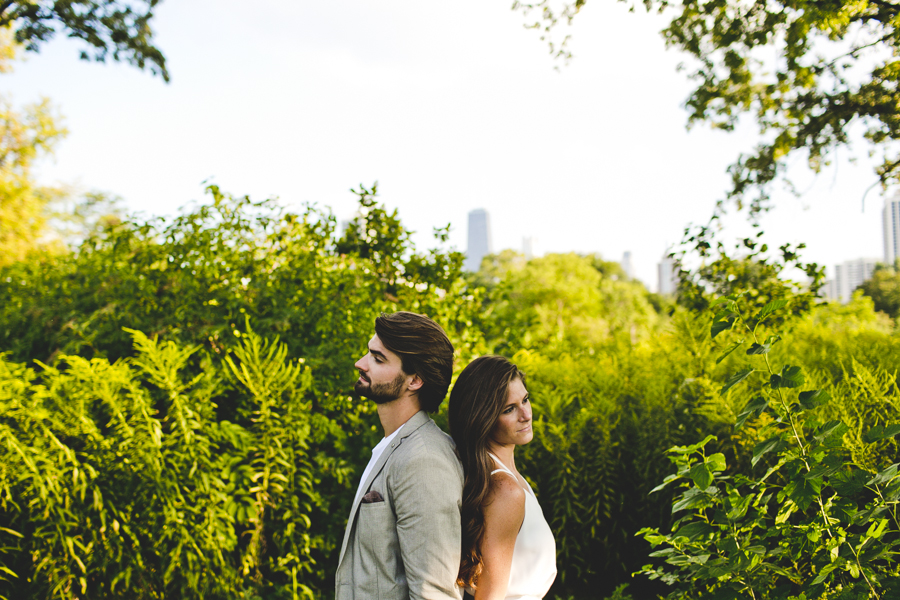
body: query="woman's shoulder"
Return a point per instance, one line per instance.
(505, 494)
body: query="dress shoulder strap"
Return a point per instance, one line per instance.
(502, 467)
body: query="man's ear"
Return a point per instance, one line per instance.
(415, 384)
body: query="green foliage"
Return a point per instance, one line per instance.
(119, 480)
(748, 266)
(814, 516)
(205, 458)
(109, 28)
(602, 423)
(808, 73)
(25, 135)
(884, 290)
(562, 301)
(278, 475)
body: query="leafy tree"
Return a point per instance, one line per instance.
(116, 29)
(24, 136)
(747, 266)
(833, 69)
(608, 268)
(564, 301)
(884, 289)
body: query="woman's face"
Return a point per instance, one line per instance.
(514, 424)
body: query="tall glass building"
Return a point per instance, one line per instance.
(891, 221)
(479, 244)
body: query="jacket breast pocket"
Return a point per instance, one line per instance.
(380, 549)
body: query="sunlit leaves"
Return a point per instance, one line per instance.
(736, 379)
(805, 517)
(753, 409)
(790, 377)
(111, 29)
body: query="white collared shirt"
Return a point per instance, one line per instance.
(376, 454)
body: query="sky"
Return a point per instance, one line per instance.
(448, 106)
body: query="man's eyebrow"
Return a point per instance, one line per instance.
(377, 353)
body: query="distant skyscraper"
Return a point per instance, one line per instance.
(627, 266)
(479, 239)
(667, 279)
(528, 247)
(829, 290)
(850, 275)
(891, 221)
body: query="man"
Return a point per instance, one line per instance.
(403, 536)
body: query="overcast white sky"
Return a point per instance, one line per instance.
(449, 106)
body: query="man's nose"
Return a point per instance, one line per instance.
(360, 364)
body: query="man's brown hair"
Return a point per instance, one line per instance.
(424, 350)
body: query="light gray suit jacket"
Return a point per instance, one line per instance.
(407, 546)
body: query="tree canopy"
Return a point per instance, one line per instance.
(810, 73)
(114, 29)
(884, 290)
(25, 135)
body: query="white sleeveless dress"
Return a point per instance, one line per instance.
(534, 558)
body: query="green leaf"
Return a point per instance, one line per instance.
(753, 409)
(831, 431)
(790, 377)
(764, 347)
(830, 465)
(880, 433)
(884, 476)
(692, 498)
(876, 529)
(694, 530)
(803, 491)
(669, 479)
(730, 349)
(768, 309)
(716, 462)
(739, 505)
(813, 398)
(770, 445)
(720, 326)
(701, 475)
(736, 379)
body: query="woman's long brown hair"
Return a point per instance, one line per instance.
(477, 399)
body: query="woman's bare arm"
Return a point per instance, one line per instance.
(504, 512)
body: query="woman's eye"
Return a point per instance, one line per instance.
(508, 410)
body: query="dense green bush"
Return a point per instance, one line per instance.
(197, 459)
(202, 281)
(814, 515)
(118, 480)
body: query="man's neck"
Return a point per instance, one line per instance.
(395, 413)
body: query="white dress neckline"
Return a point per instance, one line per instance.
(503, 468)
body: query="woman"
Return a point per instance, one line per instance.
(508, 549)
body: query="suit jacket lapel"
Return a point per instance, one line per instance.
(416, 421)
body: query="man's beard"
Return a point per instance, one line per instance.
(381, 393)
